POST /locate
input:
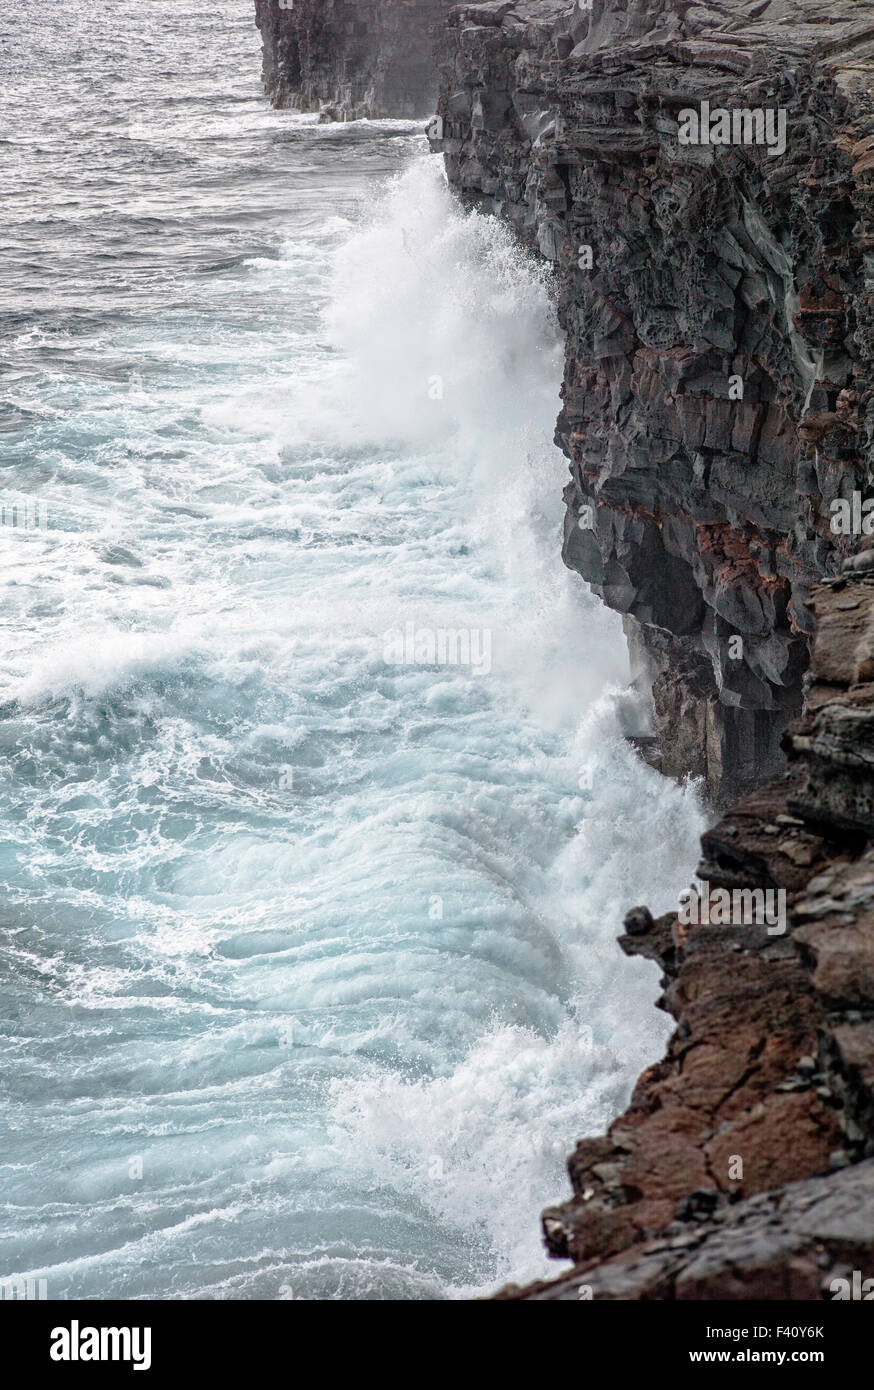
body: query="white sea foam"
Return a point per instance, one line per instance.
(285, 921)
(483, 1143)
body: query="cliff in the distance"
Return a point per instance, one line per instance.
(351, 58)
(702, 517)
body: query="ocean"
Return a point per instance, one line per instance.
(318, 823)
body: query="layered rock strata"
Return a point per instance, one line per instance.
(717, 401)
(717, 305)
(351, 58)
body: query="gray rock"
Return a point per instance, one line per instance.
(351, 58)
(789, 1244)
(709, 263)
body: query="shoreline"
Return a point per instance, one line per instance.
(715, 403)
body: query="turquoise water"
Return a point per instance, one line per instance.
(317, 824)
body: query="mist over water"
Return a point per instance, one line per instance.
(308, 974)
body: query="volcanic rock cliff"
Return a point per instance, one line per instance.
(718, 399)
(744, 1164)
(351, 58)
(687, 275)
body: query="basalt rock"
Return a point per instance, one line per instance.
(742, 1166)
(795, 1243)
(717, 305)
(718, 398)
(351, 58)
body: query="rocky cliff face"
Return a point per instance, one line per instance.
(743, 1165)
(717, 401)
(717, 303)
(351, 58)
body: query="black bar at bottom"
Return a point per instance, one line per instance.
(227, 1339)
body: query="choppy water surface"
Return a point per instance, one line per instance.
(308, 979)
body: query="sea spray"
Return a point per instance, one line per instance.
(288, 929)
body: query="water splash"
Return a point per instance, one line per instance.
(287, 923)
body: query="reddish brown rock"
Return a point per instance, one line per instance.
(767, 1086)
(790, 1244)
